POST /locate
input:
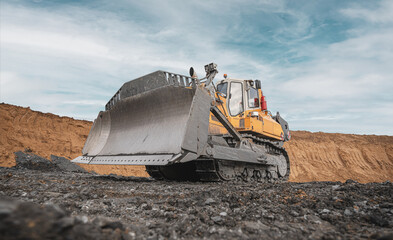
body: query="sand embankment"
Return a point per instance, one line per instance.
(338, 157)
(314, 156)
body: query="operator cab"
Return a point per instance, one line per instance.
(241, 95)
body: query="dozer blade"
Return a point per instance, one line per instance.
(162, 126)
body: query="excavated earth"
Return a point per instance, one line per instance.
(314, 156)
(42, 199)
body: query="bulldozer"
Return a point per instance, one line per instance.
(184, 128)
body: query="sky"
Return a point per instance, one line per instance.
(324, 65)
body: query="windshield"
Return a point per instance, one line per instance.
(253, 99)
(236, 99)
(222, 88)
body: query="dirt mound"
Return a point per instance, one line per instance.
(34, 162)
(338, 157)
(45, 134)
(42, 133)
(314, 156)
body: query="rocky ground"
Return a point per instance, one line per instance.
(62, 202)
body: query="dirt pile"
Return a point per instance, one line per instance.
(34, 162)
(338, 157)
(46, 134)
(314, 156)
(141, 208)
(42, 133)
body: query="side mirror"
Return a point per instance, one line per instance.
(192, 71)
(258, 84)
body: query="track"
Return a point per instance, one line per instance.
(210, 170)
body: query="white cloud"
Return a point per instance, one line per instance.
(381, 12)
(70, 60)
(61, 43)
(346, 86)
(49, 58)
(86, 102)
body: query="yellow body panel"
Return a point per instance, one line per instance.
(262, 125)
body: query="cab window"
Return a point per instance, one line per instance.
(236, 99)
(222, 88)
(252, 95)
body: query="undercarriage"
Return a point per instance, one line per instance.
(209, 169)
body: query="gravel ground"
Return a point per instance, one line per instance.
(60, 204)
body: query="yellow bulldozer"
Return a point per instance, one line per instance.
(188, 129)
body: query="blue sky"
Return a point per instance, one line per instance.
(325, 65)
